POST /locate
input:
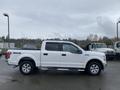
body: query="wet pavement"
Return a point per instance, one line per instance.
(11, 79)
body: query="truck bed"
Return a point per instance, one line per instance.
(17, 54)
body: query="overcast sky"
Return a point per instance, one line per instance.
(59, 18)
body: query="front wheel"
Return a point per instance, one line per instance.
(26, 67)
(94, 68)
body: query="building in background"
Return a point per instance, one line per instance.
(5, 45)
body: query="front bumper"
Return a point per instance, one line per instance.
(110, 56)
(104, 65)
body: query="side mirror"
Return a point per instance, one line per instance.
(79, 52)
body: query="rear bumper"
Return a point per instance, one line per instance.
(10, 63)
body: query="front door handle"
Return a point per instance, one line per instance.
(45, 54)
(63, 54)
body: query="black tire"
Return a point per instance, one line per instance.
(26, 67)
(94, 68)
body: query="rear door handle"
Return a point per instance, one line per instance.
(45, 54)
(63, 54)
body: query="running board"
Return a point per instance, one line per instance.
(63, 69)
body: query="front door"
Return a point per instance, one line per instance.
(71, 56)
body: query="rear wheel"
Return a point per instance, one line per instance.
(94, 68)
(26, 67)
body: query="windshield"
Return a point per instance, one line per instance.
(102, 45)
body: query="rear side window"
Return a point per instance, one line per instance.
(51, 46)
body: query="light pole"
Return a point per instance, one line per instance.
(6, 15)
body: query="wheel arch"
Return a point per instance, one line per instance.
(95, 60)
(27, 59)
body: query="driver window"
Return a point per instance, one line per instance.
(70, 48)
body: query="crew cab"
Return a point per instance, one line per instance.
(57, 55)
(102, 47)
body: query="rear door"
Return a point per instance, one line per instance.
(50, 57)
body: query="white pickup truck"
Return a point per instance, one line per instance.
(57, 55)
(102, 47)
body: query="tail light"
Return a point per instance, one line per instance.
(7, 54)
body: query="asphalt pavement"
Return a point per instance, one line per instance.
(12, 79)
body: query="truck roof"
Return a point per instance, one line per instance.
(59, 41)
